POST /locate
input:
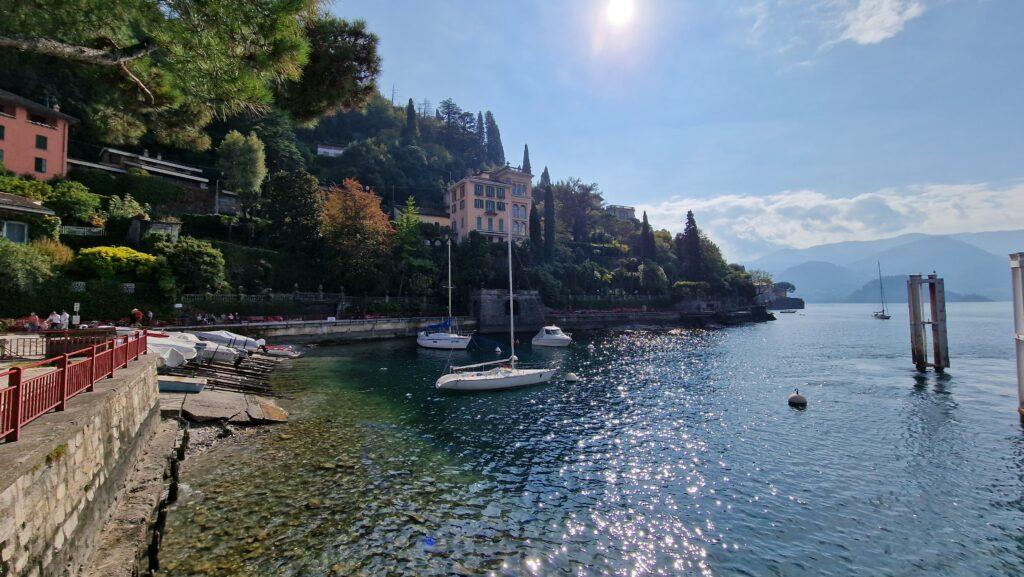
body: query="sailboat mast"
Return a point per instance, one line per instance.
(881, 287)
(449, 278)
(511, 303)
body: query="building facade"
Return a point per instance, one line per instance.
(33, 137)
(492, 203)
(622, 212)
(20, 218)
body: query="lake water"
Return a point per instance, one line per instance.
(676, 455)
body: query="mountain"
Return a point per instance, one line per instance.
(819, 281)
(839, 253)
(1000, 243)
(896, 292)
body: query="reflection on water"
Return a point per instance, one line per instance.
(677, 454)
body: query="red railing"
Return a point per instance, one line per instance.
(27, 397)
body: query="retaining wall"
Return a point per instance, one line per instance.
(61, 480)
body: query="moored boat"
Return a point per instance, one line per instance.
(551, 336)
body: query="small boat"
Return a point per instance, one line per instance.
(177, 384)
(504, 374)
(788, 311)
(441, 336)
(882, 315)
(281, 351)
(551, 336)
(230, 339)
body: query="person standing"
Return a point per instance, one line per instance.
(53, 321)
(65, 319)
(149, 317)
(33, 322)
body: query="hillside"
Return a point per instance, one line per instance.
(896, 292)
(819, 281)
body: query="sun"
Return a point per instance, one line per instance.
(619, 12)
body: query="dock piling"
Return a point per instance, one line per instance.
(937, 321)
(1017, 278)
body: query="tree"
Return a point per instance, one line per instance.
(579, 204)
(648, 248)
(74, 204)
(536, 236)
(549, 217)
(526, 159)
(197, 266)
(411, 130)
(22, 267)
(341, 72)
(653, 279)
(495, 151)
(294, 206)
(480, 141)
(784, 285)
(130, 68)
(242, 161)
(414, 267)
(359, 237)
(689, 250)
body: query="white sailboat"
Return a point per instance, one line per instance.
(441, 335)
(504, 373)
(883, 314)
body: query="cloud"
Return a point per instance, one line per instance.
(874, 21)
(749, 226)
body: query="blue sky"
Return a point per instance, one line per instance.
(779, 122)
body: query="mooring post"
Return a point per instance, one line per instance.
(937, 300)
(917, 334)
(1017, 278)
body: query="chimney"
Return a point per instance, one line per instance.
(145, 152)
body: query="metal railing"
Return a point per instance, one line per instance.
(27, 397)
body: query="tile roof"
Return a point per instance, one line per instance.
(34, 106)
(17, 203)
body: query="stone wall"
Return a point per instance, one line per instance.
(60, 481)
(339, 331)
(490, 306)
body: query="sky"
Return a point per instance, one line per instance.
(780, 123)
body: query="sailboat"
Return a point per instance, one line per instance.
(883, 314)
(503, 373)
(441, 335)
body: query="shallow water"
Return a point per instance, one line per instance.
(676, 455)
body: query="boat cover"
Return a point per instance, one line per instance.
(438, 327)
(230, 339)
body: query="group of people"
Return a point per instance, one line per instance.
(53, 322)
(212, 319)
(139, 319)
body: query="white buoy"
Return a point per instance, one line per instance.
(497, 350)
(571, 377)
(797, 400)
(591, 347)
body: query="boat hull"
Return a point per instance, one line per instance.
(444, 341)
(494, 380)
(549, 342)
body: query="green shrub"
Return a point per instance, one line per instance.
(197, 266)
(688, 289)
(147, 189)
(107, 262)
(22, 267)
(60, 255)
(98, 181)
(208, 225)
(126, 208)
(25, 186)
(74, 204)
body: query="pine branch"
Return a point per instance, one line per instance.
(99, 57)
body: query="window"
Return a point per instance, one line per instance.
(518, 189)
(40, 119)
(490, 192)
(462, 204)
(490, 224)
(501, 206)
(462, 191)
(478, 189)
(41, 165)
(41, 142)
(478, 203)
(501, 192)
(490, 206)
(2, 129)
(1, 155)
(478, 225)
(501, 225)
(15, 231)
(6, 110)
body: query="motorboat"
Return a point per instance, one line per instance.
(788, 311)
(207, 350)
(281, 351)
(442, 335)
(230, 339)
(551, 336)
(503, 374)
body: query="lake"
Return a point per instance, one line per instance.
(675, 455)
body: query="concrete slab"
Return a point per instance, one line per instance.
(213, 405)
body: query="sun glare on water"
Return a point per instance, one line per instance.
(619, 12)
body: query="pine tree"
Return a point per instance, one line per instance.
(690, 259)
(536, 238)
(549, 217)
(526, 159)
(411, 130)
(648, 246)
(495, 151)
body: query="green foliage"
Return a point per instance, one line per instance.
(25, 186)
(197, 266)
(219, 226)
(579, 205)
(39, 225)
(653, 279)
(110, 262)
(74, 204)
(414, 269)
(126, 208)
(22, 267)
(294, 205)
(147, 189)
(242, 161)
(411, 130)
(59, 255)
(526, 160)
(685, 289)
(784, 285)
(495, 151)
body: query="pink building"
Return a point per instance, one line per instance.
(33, 137)
(493, 203)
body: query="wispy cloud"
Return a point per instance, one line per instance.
(874, 21)
(748, 226)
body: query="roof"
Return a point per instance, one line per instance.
(424, 211)
(150, 159)
(34, 106)
(17, 203)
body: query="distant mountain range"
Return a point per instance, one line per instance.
(974, 265)
(896, 292)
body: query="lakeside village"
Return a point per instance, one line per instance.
(137, 211)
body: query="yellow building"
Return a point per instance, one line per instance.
(493, 203)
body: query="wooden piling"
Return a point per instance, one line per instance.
(1017, 278)
(937, 322)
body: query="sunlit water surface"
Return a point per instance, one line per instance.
(676, 455)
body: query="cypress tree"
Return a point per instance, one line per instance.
(648, 246)
(691, 255)
(549, 217)
(411, 130)
(495, 151)
(480, 140)
(536, 240)
(545, 182)
(526, 159)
